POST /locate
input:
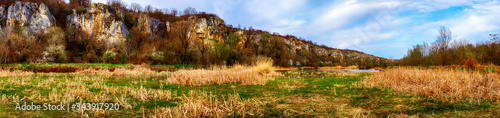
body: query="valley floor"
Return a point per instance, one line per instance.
(294, 94)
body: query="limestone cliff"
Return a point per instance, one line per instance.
(102, 21)
(208, 28)
(3, 16)
(106, 23)
(36, 17)
(151, 26)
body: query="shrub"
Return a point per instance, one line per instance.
(328, 63)
(109, 56)
(156, 56)
(470, 63)
(56, 53)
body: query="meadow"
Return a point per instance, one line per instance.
(252, 91)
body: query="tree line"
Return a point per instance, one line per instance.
(446, 51)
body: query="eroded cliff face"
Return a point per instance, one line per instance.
(151, 26)
(3, 16)
(101, 21)
(26, 14)
(208, 28)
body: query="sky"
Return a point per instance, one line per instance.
(386, 28)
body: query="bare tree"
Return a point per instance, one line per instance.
(190, 11)
(183, 42)
(81, 2)
(135, 7)
(148, 9)
(117, 3)
(174, 12)
(442, 43)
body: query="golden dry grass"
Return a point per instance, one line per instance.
(117, 71)
(253, 75)
(8, 73)
(203, 104)
(441, 84)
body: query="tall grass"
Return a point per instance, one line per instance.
(203, 104)
(441, 84)
(8, 73)
(117, 71)
(258, 74)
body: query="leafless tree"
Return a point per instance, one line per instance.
(148, 9)
(135, 7)
(183, 42)
(81, 2)
(174, 12)
(442, 43)
(166, 11)
(190, 11)
(117, 3)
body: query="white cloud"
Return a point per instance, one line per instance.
(366, 25)
(344, 14)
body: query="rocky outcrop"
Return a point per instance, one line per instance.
(168, 26)
(101, 21)
(151, 26)
(36, 17)
(208, 28)
(3, 16)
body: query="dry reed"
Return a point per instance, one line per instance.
(253, 75)
(441, 84)
(117, 71)
(15, 73)
(203, 104)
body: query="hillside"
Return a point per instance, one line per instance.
(54, 31)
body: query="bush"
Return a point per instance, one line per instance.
(56, 53)
(328, 63)
(470, 63)
(156, 56)
(109, 56)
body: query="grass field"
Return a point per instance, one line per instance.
(141, 93)
(73, 67)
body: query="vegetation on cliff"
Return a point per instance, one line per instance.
(115, 32)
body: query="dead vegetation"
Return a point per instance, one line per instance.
(252, 75)
(14, 73)
(116, 71)
(442, 84)
(203, 104)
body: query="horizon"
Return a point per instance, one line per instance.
(382, 28)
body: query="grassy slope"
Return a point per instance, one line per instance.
(311, 96)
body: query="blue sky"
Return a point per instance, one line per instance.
(386, 28)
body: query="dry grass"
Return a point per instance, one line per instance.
(117, 71)
(253, 75)
(318, 106)
(15, 73)
(292, 85)
(203, 104)
(441, 84)
(144, 95)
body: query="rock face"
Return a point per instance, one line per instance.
(3, 16)
(151, 26)
(101, 21)
(208, 28)
(36, 17)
